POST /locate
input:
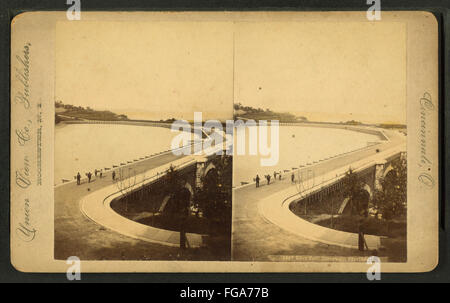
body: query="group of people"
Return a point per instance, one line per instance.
(269, 177)
(97, 172)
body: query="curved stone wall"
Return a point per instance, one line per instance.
(275, 209)
(96, 206)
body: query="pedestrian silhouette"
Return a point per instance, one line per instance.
(78, 178)
(257, 181)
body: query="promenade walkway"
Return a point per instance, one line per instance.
(88, 228)
(257, 239)
(97, 207)
(77, 235)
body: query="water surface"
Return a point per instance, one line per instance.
(300, 145)
(86, 147)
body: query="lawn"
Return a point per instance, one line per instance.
(370, 225)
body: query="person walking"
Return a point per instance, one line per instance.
(268, 179)
(89, 175)
(361, 240)
(101, 173)
(114, 175)
(292, 178)
(362, 244)
(95, 172)
(274, 175)
(257, 181)
(78, 178)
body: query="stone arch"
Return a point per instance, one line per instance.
(208, 168)
(364, 195)
(188, 186)
(343, 205)
(210, 176)
(164, 203)
(389, 180)
(367, 188)
(172, 202)
(363, 199)
(387, 170)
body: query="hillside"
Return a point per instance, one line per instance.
(64, 112)
(248, 112)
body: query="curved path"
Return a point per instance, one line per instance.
(255, 237)
(96, 206)
(275, 209)
(85, 225)
(77, 235)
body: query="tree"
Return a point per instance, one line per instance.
(353, 190)
(214, 198)
(179, 199)
(390, 199)
(172, 182)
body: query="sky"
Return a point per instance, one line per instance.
(326, 71)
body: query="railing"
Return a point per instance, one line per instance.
(149, 180)
(339, 177)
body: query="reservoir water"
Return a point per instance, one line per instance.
(299, 145)
(86, 147)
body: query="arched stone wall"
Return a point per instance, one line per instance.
(208, 168)
(188, 186)
(387, 170)
(367, 188)
(164, 203)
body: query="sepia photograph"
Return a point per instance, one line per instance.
(224, 142)
(132, 178)
(336, 188)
